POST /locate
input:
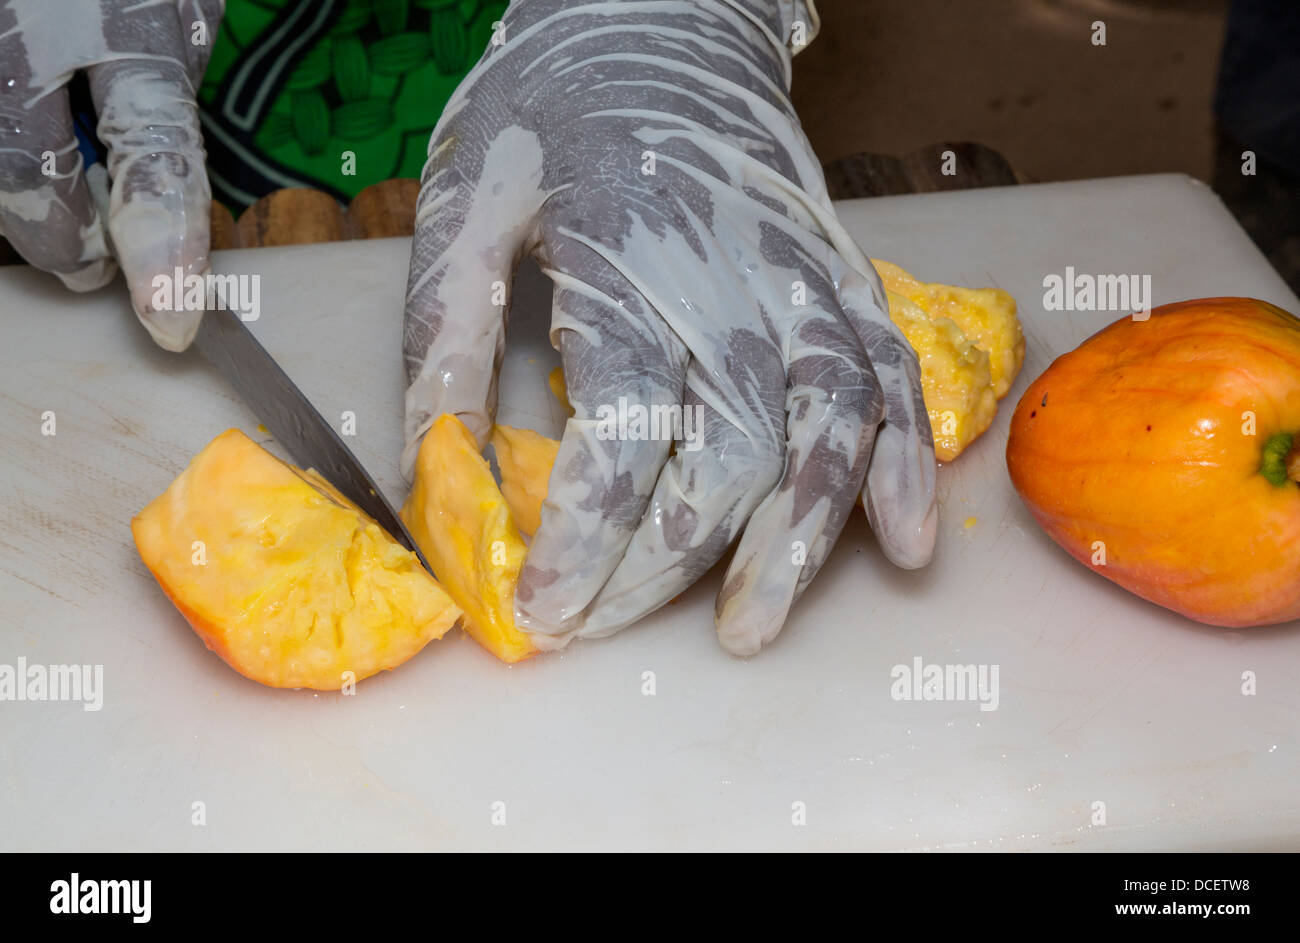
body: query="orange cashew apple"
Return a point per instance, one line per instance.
(1163, 454)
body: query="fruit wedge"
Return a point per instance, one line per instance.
(955, 378)
(985, 315)
(524, 458)
(282, 576)
(970, 346)
(464, 526)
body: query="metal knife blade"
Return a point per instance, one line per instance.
(290, 417)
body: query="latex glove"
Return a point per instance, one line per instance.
(680, 287)
(144, 67)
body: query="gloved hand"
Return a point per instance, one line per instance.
(144, 67)
(647, 154)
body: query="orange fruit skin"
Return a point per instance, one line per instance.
(1140, 439)
(211, 635)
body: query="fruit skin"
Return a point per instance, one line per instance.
(457, 516)
(298, 585)
(1138, 439)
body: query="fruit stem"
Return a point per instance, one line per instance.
(1281, 460)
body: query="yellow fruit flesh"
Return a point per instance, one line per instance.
(559, 389)
(457, 515)
(954, 377)
(525, 459)
(985, 315)
(283, 577)
(970, 347)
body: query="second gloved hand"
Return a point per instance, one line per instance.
(648, 156)
(144, 62)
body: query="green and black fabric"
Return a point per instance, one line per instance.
(332, 94)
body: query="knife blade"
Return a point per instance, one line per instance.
(290, 417)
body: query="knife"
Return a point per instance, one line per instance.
(289, 416)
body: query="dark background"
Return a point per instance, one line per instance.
(1181, 85)
(1020, 76)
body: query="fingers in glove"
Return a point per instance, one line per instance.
(161, 203)
(46, 209)
(899, 496)
(834, 405)
(474, 221)
(704, 495)
(625, 372)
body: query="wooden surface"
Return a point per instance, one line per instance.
(292, 217)
(960, 165)
(297, 216)
(387, 209)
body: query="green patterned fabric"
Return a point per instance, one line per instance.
(299, 92)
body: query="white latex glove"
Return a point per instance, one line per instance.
(144, 69)
(673, 288)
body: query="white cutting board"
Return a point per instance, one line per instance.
(1103, 698)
